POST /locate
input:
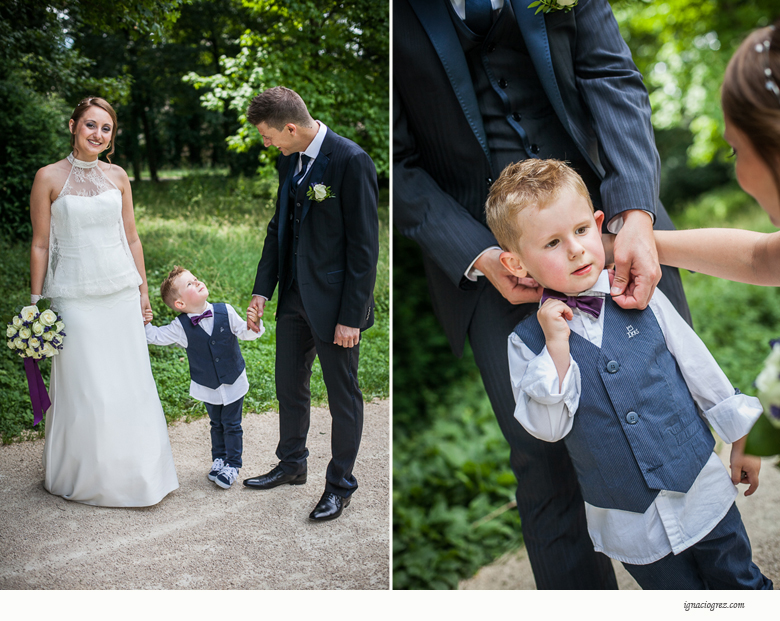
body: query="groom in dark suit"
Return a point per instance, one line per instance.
(479, 84)
(321, 248)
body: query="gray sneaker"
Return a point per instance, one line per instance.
(216, 467)
(227, 476)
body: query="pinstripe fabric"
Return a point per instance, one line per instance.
(637, 428)
(722, 560)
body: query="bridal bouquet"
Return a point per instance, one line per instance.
(36, 333)
(764, 438)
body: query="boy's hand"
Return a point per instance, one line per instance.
(744, 468)
(148, 315)
(257, 305)
(552, 317)
(252, 315)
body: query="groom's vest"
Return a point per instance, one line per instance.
(216, 359)
(517, 115)
(637, 429)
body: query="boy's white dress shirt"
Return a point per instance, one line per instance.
(173, 334)
(675, 521)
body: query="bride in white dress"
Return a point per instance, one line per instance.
(106, 437)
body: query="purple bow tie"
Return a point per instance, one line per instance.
(591, 304)
(198, 318)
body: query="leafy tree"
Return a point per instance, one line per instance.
(334, 54)
(682, 48)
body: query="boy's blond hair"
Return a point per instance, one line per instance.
(525, 184)
(168, 290)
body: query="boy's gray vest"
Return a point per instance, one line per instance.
(637, 429)
(216, 359)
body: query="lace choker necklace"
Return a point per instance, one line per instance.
(81, 163)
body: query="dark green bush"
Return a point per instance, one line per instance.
(34, 131)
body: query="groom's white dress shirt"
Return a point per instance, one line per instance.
(674, 521)
(174, 334)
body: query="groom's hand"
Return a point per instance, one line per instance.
(637, 270)
(258, 306)
(516, 290)
(346, 336)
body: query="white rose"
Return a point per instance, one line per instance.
(29, 313)
(567, 2)
(320, 192)
(29, 353)
(19, 343)
(10, 344)
(49, 351)
(48, 317)
(37, 328)
(25, 333)
(17, 321)
(48, 336)
(10, 332)
(59, 326)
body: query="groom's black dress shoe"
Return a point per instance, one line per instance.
(276, 477)
(329, 507)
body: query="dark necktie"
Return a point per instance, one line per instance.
(479, 16)
(591, 304)
(302, 172)
(198, 318)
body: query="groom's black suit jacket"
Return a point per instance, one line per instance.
(441, 161)
(338, 245)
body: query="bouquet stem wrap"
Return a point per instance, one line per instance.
(38, 395)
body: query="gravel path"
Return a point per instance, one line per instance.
(759, 513)
(201, 536)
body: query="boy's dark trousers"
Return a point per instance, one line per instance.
(227, 437)
(722, 560)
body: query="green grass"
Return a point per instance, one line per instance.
(215, 227)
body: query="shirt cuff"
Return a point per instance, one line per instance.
(614, 225)
(541, 382)
(733, 418)
(472, 272)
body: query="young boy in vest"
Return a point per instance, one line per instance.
(210, 333)
(623, 389)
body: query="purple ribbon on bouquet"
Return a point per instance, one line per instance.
(38, 395)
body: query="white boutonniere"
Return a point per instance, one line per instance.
(319, 192)
(548, 6)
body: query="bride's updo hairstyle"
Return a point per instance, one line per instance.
(750, 96)
(82, 107)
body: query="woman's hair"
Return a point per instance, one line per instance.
(751, 97)
(84, 105)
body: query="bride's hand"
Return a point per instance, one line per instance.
(146, 308)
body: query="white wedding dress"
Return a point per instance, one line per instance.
(106, 436)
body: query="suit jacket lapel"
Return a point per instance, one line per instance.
(318, 168)
(284, 206)
(436, 20)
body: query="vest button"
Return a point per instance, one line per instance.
(534, 149)
(632, 418)
(489, 181)
(213, 342)
(613, 366)
(517, 116)
(216, 359)
(502, 83)
(491, 48)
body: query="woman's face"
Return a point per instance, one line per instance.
(92, 133)
(753, 174)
